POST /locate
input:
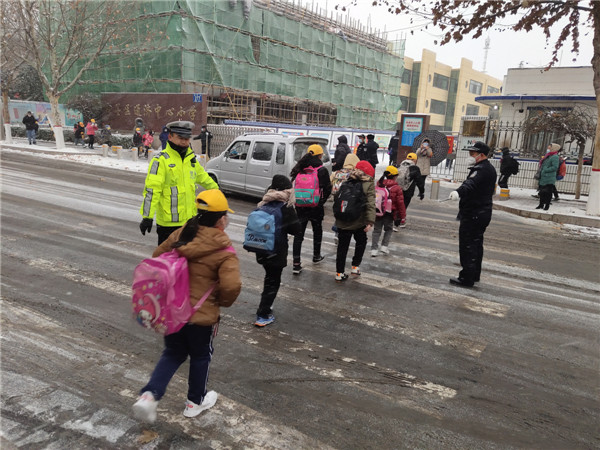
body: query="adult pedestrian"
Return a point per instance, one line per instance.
(164, 137)
(361, 149)
(279, 193)
(395, 216)
(29, 121)
(90, 131)
(424, 154)
(313, 214)
(211, 261)
(474, 213)
(341, 151)
(205, 137)
(508, 166)
(371, 151)
(147, 140)
(170, 187)
(358, 228)
(548, 167)
(393, 148)
(450, 159)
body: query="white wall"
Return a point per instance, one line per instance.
(555, 81)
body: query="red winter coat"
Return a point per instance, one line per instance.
(398, 208)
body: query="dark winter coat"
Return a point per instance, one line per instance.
(291, 225)
(372, 147)
(341, 151)
(414, 178)
(137, 139)
(508, 165)
(79, 130)
(477, 190)
(29, 122)
(393, 145)
(361, 152)
(398, 208)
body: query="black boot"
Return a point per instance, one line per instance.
(547, 207)
(540, 206)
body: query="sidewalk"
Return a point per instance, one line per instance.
(565, 211)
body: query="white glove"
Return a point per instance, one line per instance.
(454, 195)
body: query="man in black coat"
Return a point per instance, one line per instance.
(508, 166)
(205, 137)
(341, 151)
(393, 148)
(361, 149)
(474, 213)
(371, 149)
(30, 126)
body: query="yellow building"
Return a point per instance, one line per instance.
(447, 94)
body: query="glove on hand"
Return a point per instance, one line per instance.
(454, 195)
(146, 225)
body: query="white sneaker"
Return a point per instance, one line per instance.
(384, 250)
(192, 409)
(145, 408)
(355, 270)
(374, 253)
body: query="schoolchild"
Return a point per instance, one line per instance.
(409, 176)
(357, 228)
(206, 246)
(281, 194)
(313, 214)
(396, 215)
(339, 176)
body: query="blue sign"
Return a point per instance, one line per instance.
(197, 98)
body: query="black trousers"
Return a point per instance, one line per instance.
(270, 288)
(317, 227)
(91, 139)
(503, 181)
(546, 194)
(164, 233)
(470, 244)
(344, 237)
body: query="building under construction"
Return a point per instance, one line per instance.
(261, 60)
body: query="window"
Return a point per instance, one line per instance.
(475, 87)
(429, 78)
(492, 90)
(441, 81)
(239, 150)
(472, 110)
(280, 156)
(404, 101)
(437, 107)
(406, 76)
(262, 151)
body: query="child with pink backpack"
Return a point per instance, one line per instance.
(213, 267)
(312, 188)
(389, 209)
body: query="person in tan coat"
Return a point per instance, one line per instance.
(212, 263)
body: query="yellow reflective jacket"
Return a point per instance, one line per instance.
(170, 188)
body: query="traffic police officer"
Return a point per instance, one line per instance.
(170, 188)
(474, 213)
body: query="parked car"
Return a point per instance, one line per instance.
(251, 160)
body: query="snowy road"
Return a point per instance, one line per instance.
(395, 359)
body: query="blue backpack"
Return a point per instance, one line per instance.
(264, 230)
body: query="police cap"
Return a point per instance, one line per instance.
(480, 147)
(182, 127)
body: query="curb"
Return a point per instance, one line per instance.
(559, 218)
(47, 152)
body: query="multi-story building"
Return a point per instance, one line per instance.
(266, 60)
(447, 94)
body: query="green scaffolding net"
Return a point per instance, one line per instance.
(199, 44)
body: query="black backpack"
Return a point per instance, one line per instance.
(350, 201)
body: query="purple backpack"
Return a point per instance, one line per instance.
(161, 293)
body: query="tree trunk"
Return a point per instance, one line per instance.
(5, 113)
(593, 204)
(56, 121)
(579, 170)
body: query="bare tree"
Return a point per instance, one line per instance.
(459, 19)
(577, 125)
(65, 38)
(12, 54)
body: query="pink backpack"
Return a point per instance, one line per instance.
(383, 201)
(161, 293)
(306, 187)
